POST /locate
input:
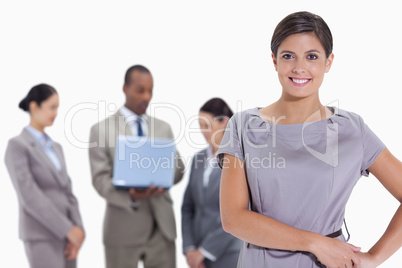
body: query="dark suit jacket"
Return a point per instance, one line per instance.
(124, 226)
(48, 208)
(201, 220)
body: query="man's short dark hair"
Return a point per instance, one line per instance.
(133, 68)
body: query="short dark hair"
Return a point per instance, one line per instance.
(218, 108)
(38, 94)
(302, 22)
(133, 68)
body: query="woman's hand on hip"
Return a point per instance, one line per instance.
(334, 253)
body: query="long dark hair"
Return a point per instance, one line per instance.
(302, 22)
(218, 108)
(38, 94)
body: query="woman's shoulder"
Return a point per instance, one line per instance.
(19, 142)
(25, 139)
(350, 118)
(21, 138)
(247, 112)
(252, 116)
(243, 116)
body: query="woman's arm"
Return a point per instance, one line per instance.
(30, 195)
(187, 218)
(193, 256)
(72, 199)
(388, 170)
(264, 231)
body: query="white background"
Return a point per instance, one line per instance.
(195, 50)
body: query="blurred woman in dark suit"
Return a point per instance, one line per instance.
(50, 224)
(205, 243)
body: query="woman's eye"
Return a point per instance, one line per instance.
(312, 57)
(287, 56)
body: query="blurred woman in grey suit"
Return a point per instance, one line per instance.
(50, 223)
(205, 243)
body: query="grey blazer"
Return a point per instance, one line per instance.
(47, 207)
(201, 220)
(124, 226)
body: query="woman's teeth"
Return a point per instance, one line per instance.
(300, 81)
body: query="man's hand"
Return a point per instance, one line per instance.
(138, 195)
(71, 251)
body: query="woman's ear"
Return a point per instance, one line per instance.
(225, 120)
(33, 106)
(329, 62)
(274, 61)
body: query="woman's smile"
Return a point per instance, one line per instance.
(300, 82)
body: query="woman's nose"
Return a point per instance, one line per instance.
(298, 67)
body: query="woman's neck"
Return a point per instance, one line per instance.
(37, 126)
(289, 110)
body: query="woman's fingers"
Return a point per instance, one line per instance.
(336, 253)
(68, 249)
(354, 248)
(356, 261)
(73, 254)
(71, 251)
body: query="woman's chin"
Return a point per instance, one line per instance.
(295, 95)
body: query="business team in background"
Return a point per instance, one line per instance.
(138, 224)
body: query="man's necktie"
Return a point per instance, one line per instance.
(140, 133)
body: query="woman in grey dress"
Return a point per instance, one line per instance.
(289, 168)
(205, 243)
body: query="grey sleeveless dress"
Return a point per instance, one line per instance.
(299, 174)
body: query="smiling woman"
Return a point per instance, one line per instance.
(301, 64)
(292, 217)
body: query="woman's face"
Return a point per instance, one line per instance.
(301, 63)
(45, 114)
(212, 128)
